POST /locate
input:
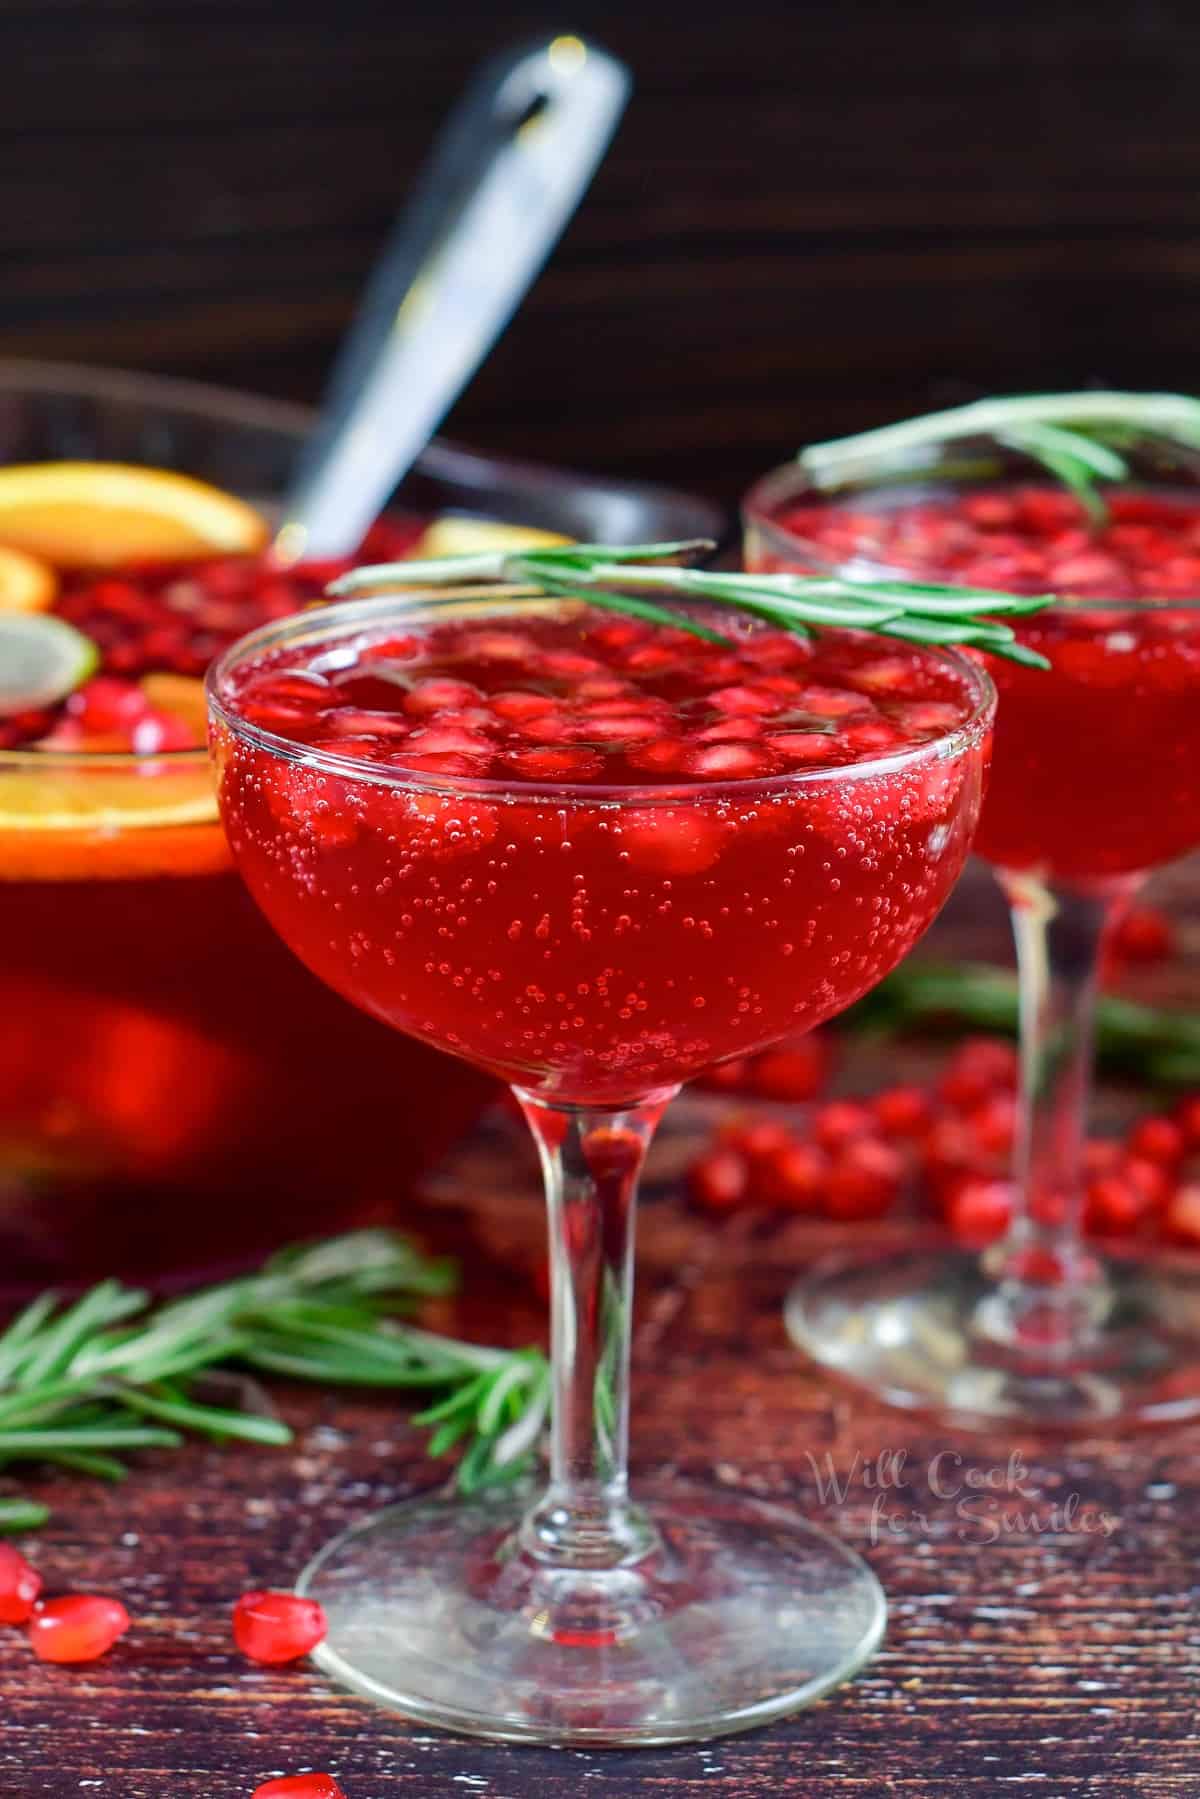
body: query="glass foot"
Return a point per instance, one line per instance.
(740, 1613)
(930, 1330)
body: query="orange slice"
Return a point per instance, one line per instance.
(26, 584)
(101, 818)
(180, 695)
(101, 514)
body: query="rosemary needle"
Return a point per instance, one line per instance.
(82, 1383)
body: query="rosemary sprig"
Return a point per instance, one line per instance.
(1077, 437)
(1147, 1043)
(620, 577)
(111, 1373)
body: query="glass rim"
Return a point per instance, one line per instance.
(346, 617)
(789, 480)
(29, 757)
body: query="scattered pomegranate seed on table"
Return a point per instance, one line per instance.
(948, 1144)
(300, 1786)
(274, 1628)
(20, 1585)
(81, 1627)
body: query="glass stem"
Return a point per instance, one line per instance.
(591, 1159)
(1050, 1288)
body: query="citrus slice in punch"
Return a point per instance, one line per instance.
(26, 583)
(42, 659)
(453, 535)
(103, 514)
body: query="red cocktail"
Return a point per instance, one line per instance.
(1095, 780)
(1120, 696)
(595, 856)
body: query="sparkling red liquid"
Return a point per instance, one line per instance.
(800, 815)
(1096, 770)
(176, 1091)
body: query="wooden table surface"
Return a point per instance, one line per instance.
(1058, 1661)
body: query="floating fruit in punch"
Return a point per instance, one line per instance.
(104, 514)
(26, 584)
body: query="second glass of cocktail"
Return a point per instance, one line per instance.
(1094, 783)
(593, 854)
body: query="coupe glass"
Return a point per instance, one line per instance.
(627, 938)
(1094, 782)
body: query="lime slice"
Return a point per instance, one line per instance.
(42, 659)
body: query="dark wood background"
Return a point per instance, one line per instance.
(815, 215)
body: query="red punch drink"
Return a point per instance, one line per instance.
(1095, 782)
(1120, 696)
(594, 855)
(591, 854)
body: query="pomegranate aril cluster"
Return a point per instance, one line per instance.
(593, 698)
(173, 618)
(949, 1145)
(1024, 539)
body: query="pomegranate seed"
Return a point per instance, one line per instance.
(793, 1177)
(891, 674)
(1113, 1205)
(729, 761)
(841, 1122)
(1182, 1219)
(758, 1139)
(832, 702)
(928, 715)
(436, 740)
(994, 1124)
(731, 730)
(437, 764)
(805, 746)
(663, 757)
(795, 1073)
(364, 722)
(500, 646)
(902, 1111)
(277, 1627)
(728, 1077)
(79, 1628)
(606, 687)
(517, 705)
(872, 735)
(438, 694)
(865, 1179)
(719, 1180)
(20, 1584)
(546, 727)
(1143, 935)
(161, 731)
(552, 765)
(300, 1786)
(948, 1153)
(568, 663)
(1150, 1179)
(1157, 1140)
(633, 727)
(979, 1210)
(106, 703)
(980, 1066)
(671, 839)
(989, 510)
(741, 701)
